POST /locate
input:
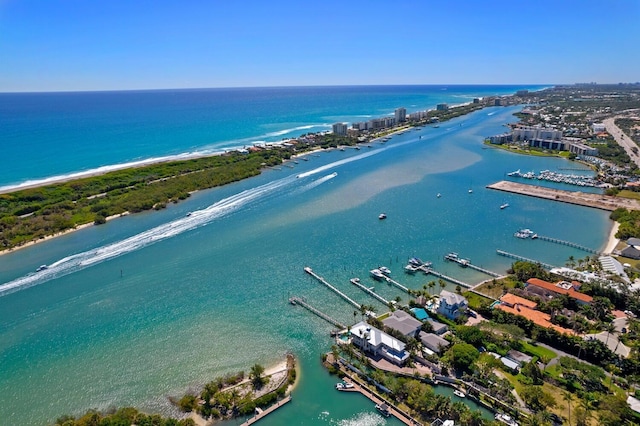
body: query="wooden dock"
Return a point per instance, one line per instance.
(264, 413)
(567, 243)
(356, 282)
(445, 277)
(299, 301)
(597, 201)
(309, 271)
(397, 284)
(526, 259)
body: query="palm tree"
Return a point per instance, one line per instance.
(609, 328)
(443, 283)
(568, 396)
(431, 284)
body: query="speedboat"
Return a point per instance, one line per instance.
(504, 206)
(506, 419)
(42, 268)
(415, 261)
(382, 216)
(438, 195)
(384, 270)
(410, 269)
(376, 274)
(459, 393)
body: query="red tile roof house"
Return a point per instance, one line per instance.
(549, 290)
(517, 305)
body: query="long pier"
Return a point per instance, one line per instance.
(526, 259)
(466, 263)
(445, 277)
(309, 271)
(397, 284)
(299, 301)
(568, 243)
(356, 282)
(263, 413)
(484, 271)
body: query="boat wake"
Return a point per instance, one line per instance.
(193, 220)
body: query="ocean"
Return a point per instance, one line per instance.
(152, 305)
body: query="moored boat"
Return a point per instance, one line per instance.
(504, 206)
(383, 409)
(415, 261)
(376, 274)
(459, 393)
(384, 270)
(382, 216)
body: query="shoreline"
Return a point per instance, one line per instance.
(279, 368)
(59, 234)
(612, 241)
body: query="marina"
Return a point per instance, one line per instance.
(466, 263)
(549, 176)
(597, 201)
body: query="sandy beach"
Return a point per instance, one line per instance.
(276, 373)
(612, 242)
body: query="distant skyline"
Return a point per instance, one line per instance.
(68, 45)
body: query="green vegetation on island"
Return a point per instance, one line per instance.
(122, 417)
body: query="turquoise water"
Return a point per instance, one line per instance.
(131, 319)
(86, 131)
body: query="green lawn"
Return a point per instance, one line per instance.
(475, 300)
(498, 288)
(539, 351)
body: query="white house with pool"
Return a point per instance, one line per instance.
(378, 343)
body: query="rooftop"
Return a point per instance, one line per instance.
(512, 300)
(560, 290)
(537, 317)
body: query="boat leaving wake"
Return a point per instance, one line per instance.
(193, 220)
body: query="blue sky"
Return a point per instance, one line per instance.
(52, 45)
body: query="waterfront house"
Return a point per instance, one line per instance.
(378, 343)
(433, 343)
(438, 327)
(403, 322)
(452, 305)
(520, 306)
(548, 291)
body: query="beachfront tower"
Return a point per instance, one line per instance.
(340, 129)
(401, 115)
